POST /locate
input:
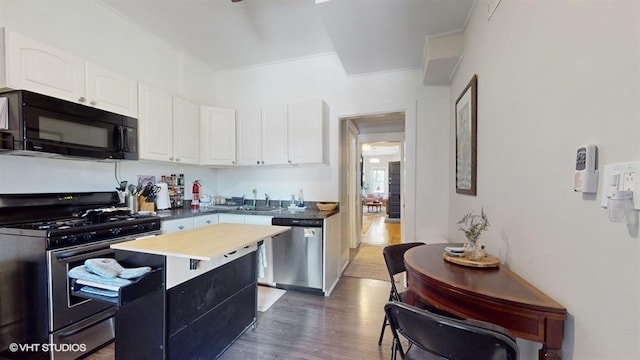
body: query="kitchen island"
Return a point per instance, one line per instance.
(211, 299)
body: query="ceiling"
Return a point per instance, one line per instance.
(367, 35)
(378, 123)
(382, 148)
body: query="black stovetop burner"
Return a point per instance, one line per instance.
(68, 223)
(71, 219)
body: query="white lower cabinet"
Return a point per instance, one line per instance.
(205, 220)
(230, 219)
(171, 226)
(332, 264)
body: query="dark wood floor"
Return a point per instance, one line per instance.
(343, 326)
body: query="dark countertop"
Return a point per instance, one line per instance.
(311, 212)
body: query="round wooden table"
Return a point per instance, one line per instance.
(496, 295)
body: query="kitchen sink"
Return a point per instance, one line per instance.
(260, 208)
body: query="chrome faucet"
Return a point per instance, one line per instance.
(267, 199)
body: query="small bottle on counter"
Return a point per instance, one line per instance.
(300, 198)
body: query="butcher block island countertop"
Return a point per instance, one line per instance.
(203, 300)
(203, 243)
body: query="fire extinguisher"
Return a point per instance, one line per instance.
(195, 190)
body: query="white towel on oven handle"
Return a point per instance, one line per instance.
(262, 259)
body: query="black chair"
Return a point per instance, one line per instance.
(433, 336)
(394, 259)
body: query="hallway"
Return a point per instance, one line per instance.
(376, 230)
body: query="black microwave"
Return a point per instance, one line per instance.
(45, 126)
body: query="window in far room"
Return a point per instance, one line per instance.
(378, 179)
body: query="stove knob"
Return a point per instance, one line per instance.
(71, 238)
(86, 237)
(115, 231)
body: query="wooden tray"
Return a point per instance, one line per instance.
(486, 262)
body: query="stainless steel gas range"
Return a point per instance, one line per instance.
(43, 236)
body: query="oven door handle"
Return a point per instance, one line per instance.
(76, 255)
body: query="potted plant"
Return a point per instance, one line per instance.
(473, 225)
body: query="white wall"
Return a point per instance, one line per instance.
(553, 75)
(19, 174)
(432, 165)
(320, 77)
(91, 31)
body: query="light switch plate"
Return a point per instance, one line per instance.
(621, 176)
(491, 7)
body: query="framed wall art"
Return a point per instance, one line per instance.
(467, 138)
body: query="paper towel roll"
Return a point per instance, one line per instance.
(162, 200)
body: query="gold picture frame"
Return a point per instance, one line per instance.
(467, 138)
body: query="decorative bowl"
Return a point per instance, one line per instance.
(327, 206)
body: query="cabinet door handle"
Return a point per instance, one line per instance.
(180, 227)
(82, 99)
(290, 161)
(177, 159)
(258, 162)
(171, 158)
(233, 162)
(208, 221)
(93, 103)
(262, 162)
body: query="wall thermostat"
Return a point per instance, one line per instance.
(586, 176)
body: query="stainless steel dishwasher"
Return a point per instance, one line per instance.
(297, 255)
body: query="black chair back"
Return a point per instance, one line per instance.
(449, 338)
(394, 259)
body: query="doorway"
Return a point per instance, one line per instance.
(380, 132)
(380, 188)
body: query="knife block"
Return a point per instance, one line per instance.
(144, 205)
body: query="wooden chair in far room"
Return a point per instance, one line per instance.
(433, 336)
(394, 260)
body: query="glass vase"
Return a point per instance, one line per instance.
(474, 251)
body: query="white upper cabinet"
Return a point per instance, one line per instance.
(38, 67)
(112, 92)
(168, 127)
(285, 134)
(262, 135)
(248, 136)
(217, 136)
(308, 133)
(274, 135)
(155, 124)
(186, 132)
